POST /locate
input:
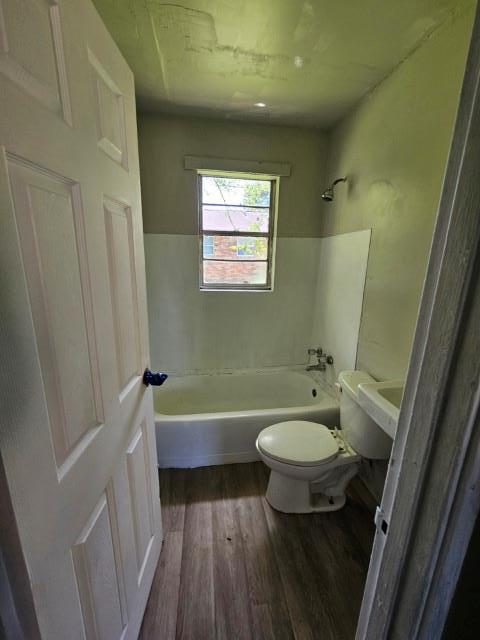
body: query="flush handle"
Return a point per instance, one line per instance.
(155, 379)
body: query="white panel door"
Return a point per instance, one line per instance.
(77, 436)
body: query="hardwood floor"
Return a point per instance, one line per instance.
(233, 568)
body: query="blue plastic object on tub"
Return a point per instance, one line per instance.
(155, 379)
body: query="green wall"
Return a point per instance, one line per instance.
(393, 146)
(169, 191)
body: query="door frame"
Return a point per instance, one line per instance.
(432, 492)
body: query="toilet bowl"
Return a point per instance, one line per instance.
(311, 465)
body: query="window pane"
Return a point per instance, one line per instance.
(236, 248)
(237, 272)
(208, 246)
(222, 190)
(235, 219)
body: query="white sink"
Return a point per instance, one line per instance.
(381, 400)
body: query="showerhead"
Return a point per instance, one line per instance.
(329, 192)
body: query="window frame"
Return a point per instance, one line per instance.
(270, 235)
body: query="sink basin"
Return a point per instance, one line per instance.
(382, 400)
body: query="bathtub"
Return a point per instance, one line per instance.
(209, 419)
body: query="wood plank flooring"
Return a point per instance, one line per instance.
(233, 568)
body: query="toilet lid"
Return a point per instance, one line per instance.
(298, 442)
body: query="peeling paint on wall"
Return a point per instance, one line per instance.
(383, 199)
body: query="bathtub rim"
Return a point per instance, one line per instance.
(328, 393)
(247, 413)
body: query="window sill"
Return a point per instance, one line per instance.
(226, 290)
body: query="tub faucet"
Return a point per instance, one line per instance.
(322, 358)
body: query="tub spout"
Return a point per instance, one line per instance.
(322, 360)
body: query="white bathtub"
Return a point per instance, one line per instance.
(215, 418)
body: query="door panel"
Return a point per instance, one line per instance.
(50, 222)
(98, 576)
(123, 287)
(77, 439)
(140, 494)
(109, 113)
(39, 68)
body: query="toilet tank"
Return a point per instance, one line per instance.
(361, 432)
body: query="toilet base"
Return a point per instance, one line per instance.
(289, 495)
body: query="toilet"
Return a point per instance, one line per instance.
(311, 464)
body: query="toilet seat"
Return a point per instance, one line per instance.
(298, 442)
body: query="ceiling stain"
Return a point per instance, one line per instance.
(197, 27)
(254, 57)
(324, 42)
(309, 61)
(306, 25)
(246, 63)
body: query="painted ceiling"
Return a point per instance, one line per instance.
(308, 61)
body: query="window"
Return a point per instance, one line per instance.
(236, 231)
(208, 246)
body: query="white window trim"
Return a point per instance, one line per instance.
(235, 165)
(272, 232)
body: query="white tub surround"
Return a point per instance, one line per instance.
(338, 298)
(215, 419)
(193, 330)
